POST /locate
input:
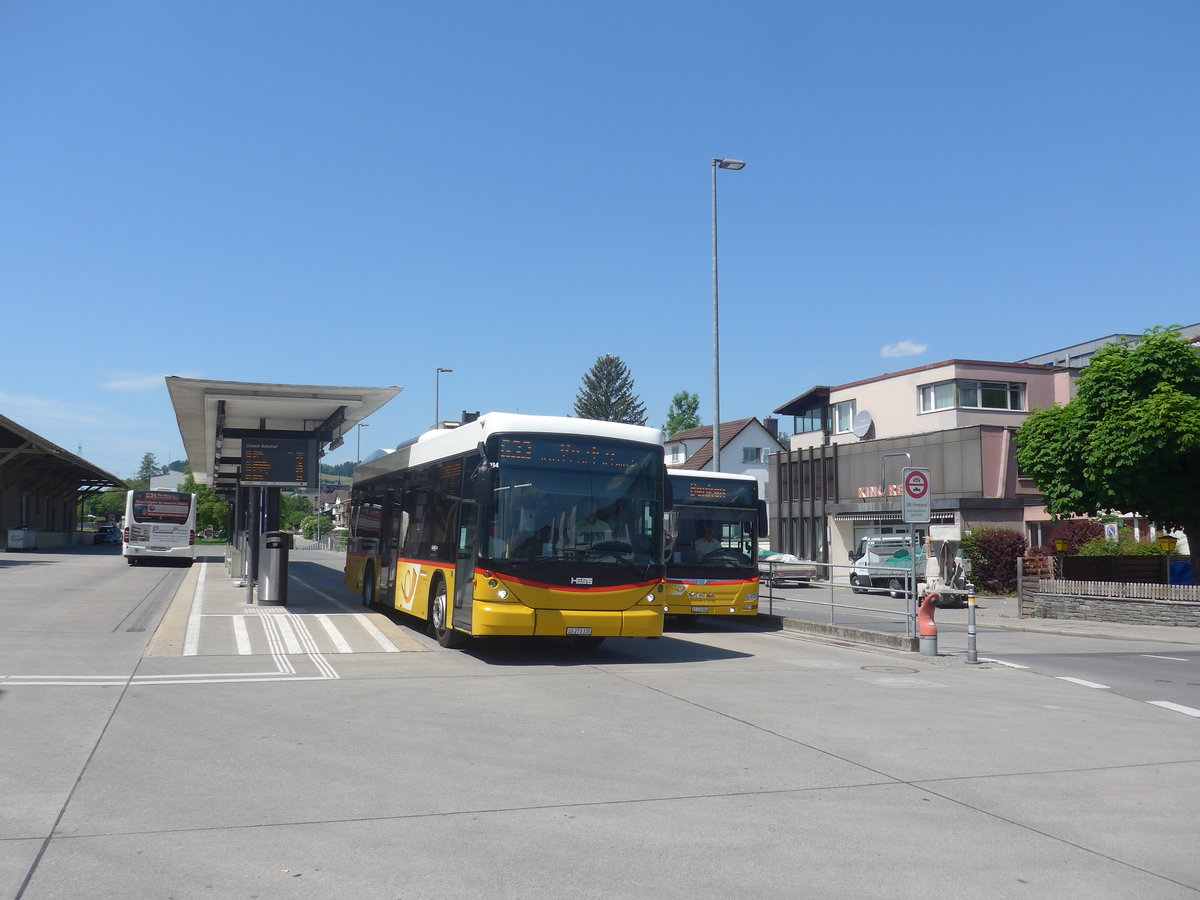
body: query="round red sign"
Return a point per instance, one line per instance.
(916, 484)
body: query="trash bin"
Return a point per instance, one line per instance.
(23, 538)
(273, 566)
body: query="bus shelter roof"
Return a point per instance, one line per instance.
(216, 416)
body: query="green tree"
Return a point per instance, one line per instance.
(308, 527)
(148, 468)
(211, 511)
(1129, 441)
(607, 394)
(106, 503)
(684, 413)
(293, 508)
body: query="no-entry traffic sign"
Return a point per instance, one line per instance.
(917, 493)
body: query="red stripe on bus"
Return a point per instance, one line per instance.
(639, 585)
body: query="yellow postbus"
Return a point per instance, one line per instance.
(712, 532)
(515, 525)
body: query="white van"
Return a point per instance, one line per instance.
(885, 561)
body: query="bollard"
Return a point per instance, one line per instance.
(926, 626)
(972, 653)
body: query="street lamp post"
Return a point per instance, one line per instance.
(437, 397)
(733, 165)
(358, 451)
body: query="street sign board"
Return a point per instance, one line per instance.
(917, 494)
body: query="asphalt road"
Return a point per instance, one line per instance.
(159, 737)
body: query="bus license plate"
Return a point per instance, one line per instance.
(580, 631)
(699, 609)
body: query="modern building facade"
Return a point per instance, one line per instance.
(841, 477)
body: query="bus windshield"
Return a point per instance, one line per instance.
(575, 498)
(713, 523)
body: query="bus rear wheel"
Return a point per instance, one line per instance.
(439, 617)
(368, 591)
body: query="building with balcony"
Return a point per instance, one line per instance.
(840, 479)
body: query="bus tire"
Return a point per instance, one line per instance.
(368, 588)
(439, 615)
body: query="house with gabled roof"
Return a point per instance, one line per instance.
(746, 447)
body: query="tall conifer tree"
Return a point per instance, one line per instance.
(607, 394)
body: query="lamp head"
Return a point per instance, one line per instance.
(733, 164)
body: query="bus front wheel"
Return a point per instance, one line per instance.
(439, 618)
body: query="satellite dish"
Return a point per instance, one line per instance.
(862, 424)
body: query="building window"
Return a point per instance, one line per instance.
(809, 421)
(843, 416)
(972, 395)
(937, 396)
(991, 395)
(754, 454)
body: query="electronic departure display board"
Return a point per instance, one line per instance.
(700, 491)
(571, 453)
(278, 462)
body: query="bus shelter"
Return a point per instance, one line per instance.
(42, 489)
(248, 441)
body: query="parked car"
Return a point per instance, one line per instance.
(777, 569)
(108, 534)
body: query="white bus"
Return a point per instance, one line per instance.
(159, 525)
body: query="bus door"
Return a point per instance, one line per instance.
(464, 563)
(390, 539)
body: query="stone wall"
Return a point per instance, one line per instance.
(1096, 609)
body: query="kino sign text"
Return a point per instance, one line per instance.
(917, 494)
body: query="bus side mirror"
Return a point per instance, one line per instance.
(668, 493)
(763, 521)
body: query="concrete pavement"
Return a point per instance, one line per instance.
(706, 764)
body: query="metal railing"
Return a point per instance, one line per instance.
(823, 592)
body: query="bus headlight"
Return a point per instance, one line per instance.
(501, 595)
(650, 598)
(752, 598)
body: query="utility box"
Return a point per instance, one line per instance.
(273, 566)
(22, 538)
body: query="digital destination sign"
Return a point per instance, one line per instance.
(597, 456)
(711, 491)
(277, 462)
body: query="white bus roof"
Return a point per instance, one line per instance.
(441, 443)
(700, 473)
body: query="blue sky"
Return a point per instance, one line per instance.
(358, 193)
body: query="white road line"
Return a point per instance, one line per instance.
(1172, 658)
(288, 634)
(375, 632)
(282, 663)
(1167, 704)
(1090, 684)
(311, 648)
(1001, 662)
(343, 646)
(242, 635)
(191, 641)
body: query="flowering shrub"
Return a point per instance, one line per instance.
(993, 553)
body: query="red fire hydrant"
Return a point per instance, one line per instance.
(926, 627)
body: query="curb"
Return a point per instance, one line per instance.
(845, 633)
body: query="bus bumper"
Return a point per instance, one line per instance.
(497, 619)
